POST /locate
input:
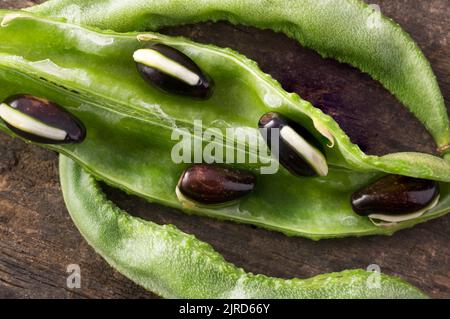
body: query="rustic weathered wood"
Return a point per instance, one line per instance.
(38, 239)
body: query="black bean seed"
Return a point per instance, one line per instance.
(299, 150)
(213, 185)
(395, 195)
(172, 71)
(40, 120)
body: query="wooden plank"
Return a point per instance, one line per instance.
(38, 240)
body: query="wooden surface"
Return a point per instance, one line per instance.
(38, 240)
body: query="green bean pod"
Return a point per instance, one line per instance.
(173, 264)
(129, 126)
(350, 31)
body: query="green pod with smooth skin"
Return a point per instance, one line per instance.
(350, 31)
(173, 264)
(129, 141)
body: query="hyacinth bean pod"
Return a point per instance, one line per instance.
(129, 126)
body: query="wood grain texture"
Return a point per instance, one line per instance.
(38, 240)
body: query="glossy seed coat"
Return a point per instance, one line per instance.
(100, 206)
(174, 264)
(172, 71)
(215, 185)
(39, 120)
(298, 149)
(395, 195)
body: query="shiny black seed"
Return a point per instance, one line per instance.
(395, 195)
(168, 83)
(289, 157)
(212, 184)
(49, 114)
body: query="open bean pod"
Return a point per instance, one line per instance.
(129, 133)
(40, 120)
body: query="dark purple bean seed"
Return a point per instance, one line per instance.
(213, 185)
(41, 121)
(172, 71)
(395, 195)
(308, 162)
